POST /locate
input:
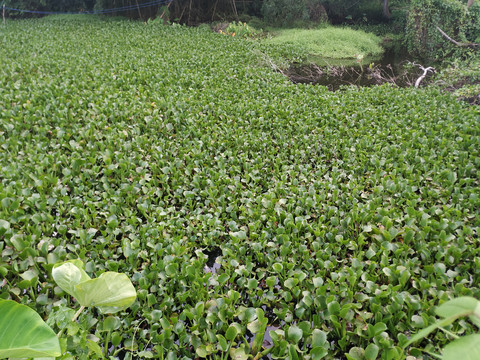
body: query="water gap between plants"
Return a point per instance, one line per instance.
(393, 67)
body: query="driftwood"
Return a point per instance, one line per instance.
(472, 45)
(425, 72)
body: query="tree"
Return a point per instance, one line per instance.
(386, 11)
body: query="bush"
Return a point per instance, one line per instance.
(241, 29)
(284, 12)
(422, 36)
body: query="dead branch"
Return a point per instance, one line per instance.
(473, 45)
(425, 72)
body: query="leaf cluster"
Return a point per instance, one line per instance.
(224, 191)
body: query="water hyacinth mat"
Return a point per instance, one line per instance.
(255, 217)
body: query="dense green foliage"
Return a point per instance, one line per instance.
(330, 42)
(284, 12)
(228, 194)
(452, 16)
(466, 347)
(49, 5)
(462, 78)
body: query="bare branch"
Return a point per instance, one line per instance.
(456, 42)
(425, 72)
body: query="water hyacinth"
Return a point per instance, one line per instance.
(252, 215)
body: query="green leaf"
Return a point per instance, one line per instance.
(319, 338)
(93, 346)
(239, 235)
(222, 343)
(232, 331)
(110, 292)
(23, 333)
(30, 275)
(458, 307)
(293, 353)
(277, 267)
(371, 352)
(290, 283)
(239, 354)
(318, 353)
(464, 348)
(111, 323)
(68, 275)
(355, 353)
(4, 226)
(259, 335)
(294, 333)
(252, 284)
(317, 281)
(254, 326)
(378, 328)
(202, 351)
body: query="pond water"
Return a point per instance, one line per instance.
(393, 67)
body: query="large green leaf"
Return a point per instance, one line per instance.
(461, 306)
(425, 332)
(110, 292)
(68, 275)
(23, 333)
(451, 311)
(465, 348)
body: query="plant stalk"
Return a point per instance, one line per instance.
(77, 314)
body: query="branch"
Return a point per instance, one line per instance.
(456, 42)
(425, 72)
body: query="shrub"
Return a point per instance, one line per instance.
(422, 36)
(284, 12)
(241, 29)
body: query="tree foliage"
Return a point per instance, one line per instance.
(454, 17)
(50, 5)
(460, 19)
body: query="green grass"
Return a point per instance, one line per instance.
(330, 42)
(155, 150)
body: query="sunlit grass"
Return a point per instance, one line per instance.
(331, 42)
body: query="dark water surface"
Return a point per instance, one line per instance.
(393, 67)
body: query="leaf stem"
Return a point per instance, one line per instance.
(263, 353)
(77, 314)
(105, 344)
(449, 333)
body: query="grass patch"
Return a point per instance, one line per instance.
(331, 42)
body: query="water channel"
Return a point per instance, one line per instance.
(393, 67)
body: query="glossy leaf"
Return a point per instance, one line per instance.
(110, 292)
(68, 275)
(465, 348)
(23, 333)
